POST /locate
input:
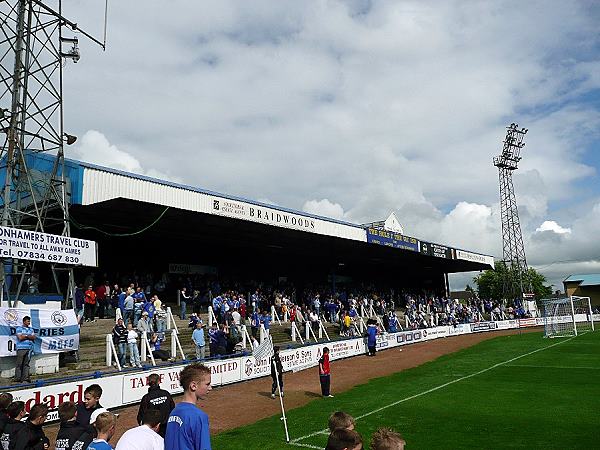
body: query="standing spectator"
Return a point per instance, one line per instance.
(158, 399)
(212, 338)
(16, 412)
(144, 326)
(105, 428)
(90, 305)
(276, 372)
(184, 297)
(31, 436)
(25, 338)
(101, 300)
(121, 296)
(79, 301)
(119, 336)
(340, 419)
(144, 437)
(325, 373)
(115, 296)
(372, 339)
(199, 341)
(138, 307)
(91, 402)
(71, 436)
(134, 353)
(221, 337)
(387, 439)
(161, 318)
(129, 304)
(6, 399)
(187, 427)
(342, 439)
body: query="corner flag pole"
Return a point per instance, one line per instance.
(287, 435)
(265, 350)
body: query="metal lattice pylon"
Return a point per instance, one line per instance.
(513, 249)
(32, 52)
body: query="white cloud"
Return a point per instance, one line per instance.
(551, 225)
(324, 208)
(93, 147)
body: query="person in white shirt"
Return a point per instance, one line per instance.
(144, 437)
(134, 353)
(237, 317)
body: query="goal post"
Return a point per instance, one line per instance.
(567, 316)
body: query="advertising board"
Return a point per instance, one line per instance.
(37, 246)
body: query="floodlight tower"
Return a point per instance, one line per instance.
(513, 250)
(33, 53)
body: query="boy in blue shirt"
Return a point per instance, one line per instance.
(187, 427)
(105, 426)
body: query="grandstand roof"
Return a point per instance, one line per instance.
(589, 279)
(103, 187)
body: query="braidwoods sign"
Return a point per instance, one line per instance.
(36, 246)
(271, 216)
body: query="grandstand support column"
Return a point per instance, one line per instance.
(263, 333)
(293, 332)
(446, 286)
(108, 350)
(210, 316)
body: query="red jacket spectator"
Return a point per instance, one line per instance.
(90, 297)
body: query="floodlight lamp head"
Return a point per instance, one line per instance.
(69, 138)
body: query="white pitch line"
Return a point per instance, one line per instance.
(554, 367)
(297, 443)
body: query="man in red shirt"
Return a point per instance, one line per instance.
(325, 373)
(90, 304)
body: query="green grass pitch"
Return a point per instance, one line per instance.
(519, 391)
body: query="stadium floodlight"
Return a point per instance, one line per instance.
(568, 316)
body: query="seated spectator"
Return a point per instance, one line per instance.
(340, 419)
(342, 439)
(387, 439)
(194, 319)
(157, 353)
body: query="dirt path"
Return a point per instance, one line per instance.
(223, 404)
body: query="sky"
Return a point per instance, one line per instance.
(352, 109)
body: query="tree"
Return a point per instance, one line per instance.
(490, 284)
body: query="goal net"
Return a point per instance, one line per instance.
(567, 316)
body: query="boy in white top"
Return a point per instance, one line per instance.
(144, 437)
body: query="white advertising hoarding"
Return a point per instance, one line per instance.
(36, 246)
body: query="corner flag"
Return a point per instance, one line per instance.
(264, 350)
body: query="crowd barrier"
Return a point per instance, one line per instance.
(128, 388)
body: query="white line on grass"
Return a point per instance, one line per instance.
(554, 367)
(297, 443)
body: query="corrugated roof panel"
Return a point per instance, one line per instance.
(589, 279)
(100, 185)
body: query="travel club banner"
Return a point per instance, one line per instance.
(36, 246)
(55, 331)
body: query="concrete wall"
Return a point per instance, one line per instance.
(45, 363)
(593, 292)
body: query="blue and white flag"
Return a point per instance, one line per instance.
(55, 330)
